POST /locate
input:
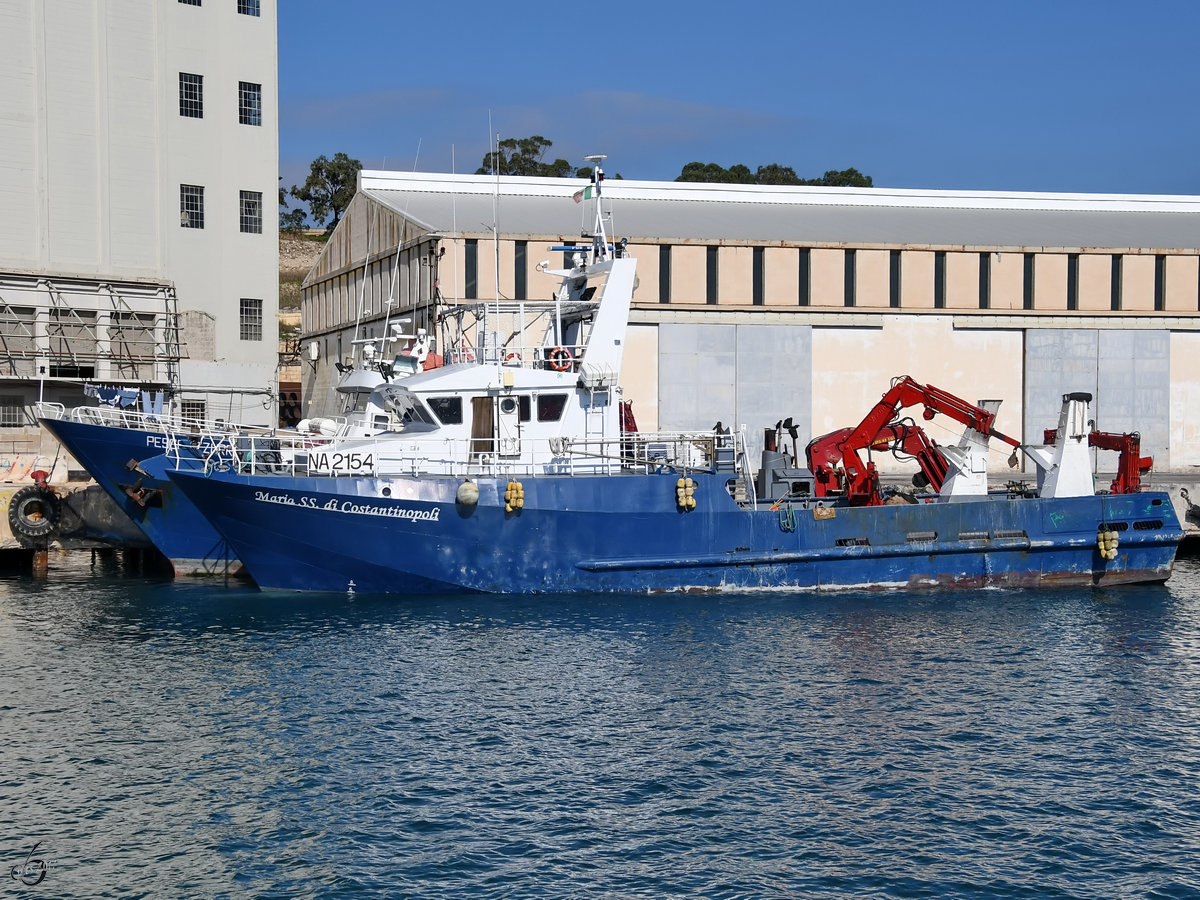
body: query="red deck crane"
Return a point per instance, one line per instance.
(859, 480)
(1131, 465)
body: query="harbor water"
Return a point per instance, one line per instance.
(200, 739)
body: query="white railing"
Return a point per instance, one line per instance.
(400, 455)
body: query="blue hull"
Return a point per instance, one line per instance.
(169, 519)
(626, 533)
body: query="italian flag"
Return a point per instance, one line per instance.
(585, 194)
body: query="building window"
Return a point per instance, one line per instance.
(520, 253)
(848, 279)
(249, 103)
(1072, 281)
(248, 7)
(251, 212)
(471, 268)
(1115, 296)
(190, 2)
(664, 273)
(12, 412)
(985, 280)
(569, 250)
(191, 95)
(805, 273)
(192, 410)
(1027, 283)
(250, 321)
(710, 268)
(191, 206)
(894, 279)
(757, 277)
(939, 279)
(1160, 282)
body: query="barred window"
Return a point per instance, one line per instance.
(251, 212)
(248, 7)
(249, 103)
(192, 410)
(12, 412)
(190, 2)
(191, 95)
(251, 320)
(191, 206)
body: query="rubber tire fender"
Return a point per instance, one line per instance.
(34, 512)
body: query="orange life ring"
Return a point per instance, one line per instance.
(513, 359)
(559, 359)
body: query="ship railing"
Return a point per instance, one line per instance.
(399, 454)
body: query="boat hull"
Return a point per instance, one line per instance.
(628, 533)
(164, 514)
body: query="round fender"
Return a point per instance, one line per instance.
(35, 512)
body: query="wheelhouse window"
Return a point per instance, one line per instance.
(191, 95)
(249, 103)
(248, 7)
(410, 410)
(550, 407)
(448, 410)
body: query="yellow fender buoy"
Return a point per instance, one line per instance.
(685, 494)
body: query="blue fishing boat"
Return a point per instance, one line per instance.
(524, 472)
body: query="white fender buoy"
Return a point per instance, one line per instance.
(468, 493)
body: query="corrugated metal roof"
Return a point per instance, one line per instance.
(688, 212)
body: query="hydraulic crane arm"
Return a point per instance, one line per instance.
(859, 479)
(1131, 465)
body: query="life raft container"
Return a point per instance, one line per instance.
(35, 512)
(559, 359)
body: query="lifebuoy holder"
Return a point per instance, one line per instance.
(34, 512)
(559, 359)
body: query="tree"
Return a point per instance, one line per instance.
(329, 188)
(290, 220)
(774, 173)
(523, 156)
(844, 178)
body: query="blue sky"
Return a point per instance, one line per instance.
(1057, 95)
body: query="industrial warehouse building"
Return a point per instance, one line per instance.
(756, 304)
(138, 241)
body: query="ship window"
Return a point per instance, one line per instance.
(411, 412)
(524, 414)
(550, 407)
(447, 409)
